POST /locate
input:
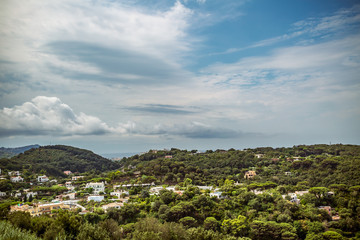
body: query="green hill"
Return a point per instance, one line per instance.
(58, 158)
(10, 152)
(318, 165)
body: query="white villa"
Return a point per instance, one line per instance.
(119, 193)
(97, 187)
(16, 179)
(95, 198)
(112, 205)
(43, 178)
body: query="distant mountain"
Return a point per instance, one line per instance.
(10, 152)
(58, 158)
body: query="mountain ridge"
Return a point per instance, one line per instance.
(54, 159)
(10, 152)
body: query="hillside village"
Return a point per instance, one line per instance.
(157, 182)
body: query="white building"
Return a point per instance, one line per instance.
(97, 187)
(43, 178)
(119, 193)
(205, 187)
(33, 194)
(112, 205)
(2, 194)
(75, 178)
(16, 179)
(216, 194)
(69, 186)
(95, 198)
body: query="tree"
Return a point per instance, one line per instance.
(20, 219)
(92, 232)
(236, 227)
(188, 221)
(211, 223)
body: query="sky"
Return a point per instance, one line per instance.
(129, 75)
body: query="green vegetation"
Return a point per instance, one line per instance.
(8, 231)
(256, 208)
(53, 160)
(319, 165)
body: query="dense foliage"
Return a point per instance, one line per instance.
(319, 165)
(257, 208)
(53, 160)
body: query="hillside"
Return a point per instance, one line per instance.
(318, 165)
(53, 160)
(10, 152)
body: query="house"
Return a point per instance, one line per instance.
(42, 179)
(16, 179)
(326, 208)
(40, 209)
(259, 155)
(76, 178)
(119, 193)
(14, 173)
(294, 199)
(2, 194)
(216, 194)
(205, 187)
(24, 208)
(70, 196)
(155, 190)
(95, 198)
(116, 205)
(97, 187)
(288, 173)
(49, 207)
(69, 185)
(32, 194)
(67, 172)
(250, 174)
(168, 156)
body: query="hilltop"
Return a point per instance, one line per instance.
(53, 160)
(318, 165)
(10, 152)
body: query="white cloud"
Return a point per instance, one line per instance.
(119, 32)
(49, 116)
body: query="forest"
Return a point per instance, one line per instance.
(248, 208)
(55, 159)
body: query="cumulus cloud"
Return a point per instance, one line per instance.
(49, 116)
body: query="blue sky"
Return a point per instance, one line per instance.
(129, 76)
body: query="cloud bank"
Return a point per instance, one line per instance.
(49, 116)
